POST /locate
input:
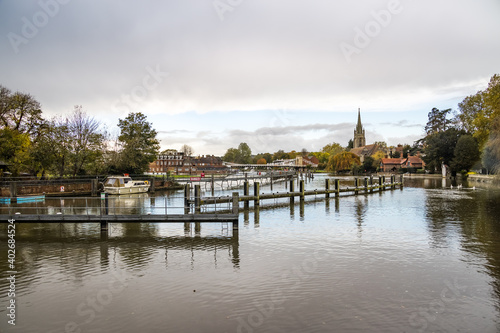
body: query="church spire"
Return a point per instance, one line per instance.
(359, 126)
(359, 133)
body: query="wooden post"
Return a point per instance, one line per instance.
(371, 183)
(236, 202)
(392, 181)
(106, 204)
(301, 189)
(187, 190)
(271, 180)
(93, 187)
(383, 183)
(337, 187)
(256, 190)
(13, 189)
(327, 187)
(246, 192)
(213, 185)
(356, 183)
(197, 199)
(365, 180)
(401, 181)
(152, 185)
(104, 226)
(292, 189)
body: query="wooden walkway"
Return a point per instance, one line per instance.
(365, 185)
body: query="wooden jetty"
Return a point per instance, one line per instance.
(364, 185)
(361, 186)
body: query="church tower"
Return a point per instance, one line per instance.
(359, 133)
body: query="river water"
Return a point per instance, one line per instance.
(422, 259)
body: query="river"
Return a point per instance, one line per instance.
(422, 259)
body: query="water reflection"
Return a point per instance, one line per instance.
(414, 243)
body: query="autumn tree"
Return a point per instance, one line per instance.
(343, 161)
(20, 121)
(332, 148)
(477, 112)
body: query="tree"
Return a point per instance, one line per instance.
(304, 152)
(406, 149)
(377, 158)
(343, 161)
(491, 152)
(369, 164)
(332, 149)
(245, 154)
(231, 155)
(261, 161)
(381, 144)
(350, 145)
(85, 142)
(187, 150)
(280, 155)
(440, 147)
(478, 111)
(20, 121)
(438, 121)
(19, 112)
(14, 149)
(466, 153)
(240, 155)
(140, 146)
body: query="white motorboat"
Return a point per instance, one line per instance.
(125, 185)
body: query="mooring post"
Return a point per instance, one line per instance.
(356, 183)
(371, 183)
(256, 190)
(292, 189)
(301, 189)
(187, 190)
(271, 180)
(383, 183)
(392, 181)
(246, 192)
(327, 187)
(106, 204)
(197, 199)
(401, 181)
(104, 226)
(365, 180)
(13, 189)
(236, 202)
(152, 185)
(337, 187)
(93, 187)
(213, 185)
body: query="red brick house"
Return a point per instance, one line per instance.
(394, 164)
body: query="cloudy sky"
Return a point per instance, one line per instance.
(277, 74)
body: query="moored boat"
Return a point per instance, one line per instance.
(125, 185)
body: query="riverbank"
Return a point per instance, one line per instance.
(489, 179)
